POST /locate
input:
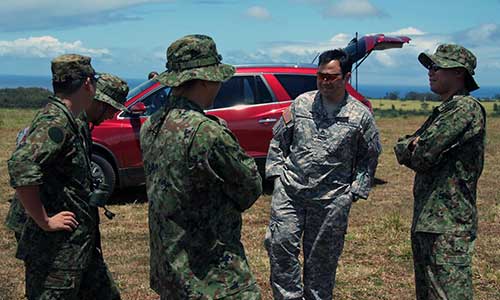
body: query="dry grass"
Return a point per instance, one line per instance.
(376, 263)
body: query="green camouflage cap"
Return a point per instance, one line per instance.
(194, 57)
(69, 67)
(112, 90)
(452, 56)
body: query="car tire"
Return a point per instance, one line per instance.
(103, 171)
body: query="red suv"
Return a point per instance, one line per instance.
(251, 102)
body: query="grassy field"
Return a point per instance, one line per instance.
(376, 263)
(415, 105)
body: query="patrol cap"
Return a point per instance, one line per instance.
(194, 57)
(69, 67)
(112, 90)
(452, 56)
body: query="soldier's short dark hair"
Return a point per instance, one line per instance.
(67, 87)
(336, 54)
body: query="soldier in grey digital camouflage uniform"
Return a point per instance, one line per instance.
(447, 154)
(199, 181)
(50, 170)
(322, 158)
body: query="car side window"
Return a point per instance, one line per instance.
(155, 101)
(242, 90)
(296, 84)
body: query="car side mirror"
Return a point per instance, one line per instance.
(138, 108)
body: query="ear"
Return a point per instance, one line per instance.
(347, 76)
(87, 83)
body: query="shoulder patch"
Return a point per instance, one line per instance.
(56, 134)
(287, 115)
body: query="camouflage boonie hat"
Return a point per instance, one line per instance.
(112, 90)
(69, 67)
(194, 57)
(452, 56)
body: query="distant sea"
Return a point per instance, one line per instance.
(369, 90)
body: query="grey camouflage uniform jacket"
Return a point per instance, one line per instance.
(321, 156)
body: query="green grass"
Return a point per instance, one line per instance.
(416, 105)
(376, 263)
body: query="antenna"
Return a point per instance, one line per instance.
(357, 64)
(315, 58)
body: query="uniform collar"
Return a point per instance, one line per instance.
(183, 102)
(450, 100)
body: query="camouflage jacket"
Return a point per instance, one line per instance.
(199, 181)
(320, 156)
(54, 157)
(16, 216)
(448, 160)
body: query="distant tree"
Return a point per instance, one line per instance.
(23, 97)
(394, 95)
(497, 96)
(424, 105)
(421, 96)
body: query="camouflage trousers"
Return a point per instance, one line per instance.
(93, 283)
(321, 227)
(442, 266)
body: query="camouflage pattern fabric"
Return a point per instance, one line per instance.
(199, 181)
(68, 67)
(448, 159)
(452, 56)
(49, 275)
(442, 265)
(322, 160)
(194, 57)
(112, 90)
(93, 283)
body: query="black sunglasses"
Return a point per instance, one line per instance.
(434, 67)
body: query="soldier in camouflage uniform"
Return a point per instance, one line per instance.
(50, 170)
(322, 158)
(447, 154)
(110, 95)
(199, 181)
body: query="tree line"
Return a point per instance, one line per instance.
(32, 97)
(425, 96)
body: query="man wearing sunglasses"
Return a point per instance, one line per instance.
(322, 157)
(447, 154)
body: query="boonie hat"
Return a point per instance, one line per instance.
(69, 67)
(194, 57)
(452, 56)
(112, 90)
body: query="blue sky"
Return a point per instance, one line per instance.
(129, 37)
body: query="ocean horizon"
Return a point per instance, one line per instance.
(368, 90)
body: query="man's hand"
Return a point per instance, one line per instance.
(64, 220)
(30, 198)
(413, 144)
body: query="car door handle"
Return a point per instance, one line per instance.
(268, 120)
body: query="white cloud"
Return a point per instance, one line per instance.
(407, 31)
(258, 12)
(19, 15)
(46, 47)
(353, 8)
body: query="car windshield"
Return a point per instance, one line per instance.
(140, 88)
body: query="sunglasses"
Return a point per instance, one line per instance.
(328, 76)
(434, 67)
